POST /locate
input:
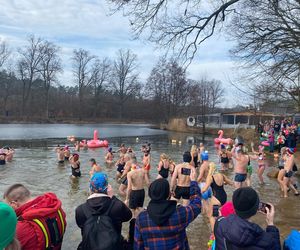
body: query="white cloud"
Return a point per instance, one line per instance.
(87, 24)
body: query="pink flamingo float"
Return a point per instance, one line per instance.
(222, 140)
(96, 143)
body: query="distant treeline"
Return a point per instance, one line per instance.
(30, 86)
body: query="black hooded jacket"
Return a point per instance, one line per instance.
(235, 233)
(119, 212)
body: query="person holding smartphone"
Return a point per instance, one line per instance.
(182, 174)
(237, 232)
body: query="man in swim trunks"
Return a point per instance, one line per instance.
(240, 167)
(122, 149)
(109, 157)
(123, 178)
(182, 174)
(60, 154)
(135, 195)
(288, 167)
(147, 160)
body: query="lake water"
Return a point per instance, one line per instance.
(35, 166)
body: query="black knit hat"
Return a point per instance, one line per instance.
(245, 201)
(159, 190)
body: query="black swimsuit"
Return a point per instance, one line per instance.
(224, 158)
(164, 172)
(218, 192)
(76, 171)
(196, 160)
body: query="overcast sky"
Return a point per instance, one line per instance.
(74, 24)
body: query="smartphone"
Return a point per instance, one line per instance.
(185, 171)
(262, 207)
(215, 210)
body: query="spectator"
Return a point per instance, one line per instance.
(41, 220)
(271, 140)
(280, 141)
(8, 223)
(163, 224)
(102, 203)
(237, 232)
(292, 242)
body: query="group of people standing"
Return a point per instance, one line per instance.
(179, 193)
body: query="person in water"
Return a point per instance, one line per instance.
(123, 178)
(109, 157)
(2, 157)
(182, 175)
(67, 153)
(60, 154)
(260, 157)
(288, 167)
(163, 167)
(240, 168)
(146, 149)
(216, 182)
(120, 164)
(75, 165)
(9, 151)
(137, 178)
(95, 168)
(224, 159)
(122, 149)
(194, 154)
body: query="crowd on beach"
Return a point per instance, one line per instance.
(178, 194)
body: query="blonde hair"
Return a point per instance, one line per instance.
(164, 157)
(193, 149)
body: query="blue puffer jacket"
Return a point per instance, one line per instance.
(235, 233)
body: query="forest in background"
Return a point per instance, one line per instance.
(103, 89)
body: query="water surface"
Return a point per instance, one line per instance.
(35, 166)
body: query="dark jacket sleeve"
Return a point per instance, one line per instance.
(120, 212)
(80, 216)
(276, 237)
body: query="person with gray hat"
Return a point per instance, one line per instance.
(237, 232)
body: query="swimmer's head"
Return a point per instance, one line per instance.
(92, 161)
(75, 157)
(66, 148)
(187, 157)
(163, 156)
(223, 146)
(204, 156)
(109, 150)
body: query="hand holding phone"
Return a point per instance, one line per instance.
(262, 207)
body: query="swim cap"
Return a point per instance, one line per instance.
(223, 146)
(8, 222)
(98, 183)
(204, 156)
(109, 149)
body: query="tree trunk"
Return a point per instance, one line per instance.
(47, 104)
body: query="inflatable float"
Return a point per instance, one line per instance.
(95, 143)
(220, 139)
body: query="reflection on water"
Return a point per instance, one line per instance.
(37, 168)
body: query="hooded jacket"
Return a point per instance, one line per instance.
(163, 225)
(43, 207)
(98, 204)
(235, 233)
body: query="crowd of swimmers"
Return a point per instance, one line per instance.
(178, 193)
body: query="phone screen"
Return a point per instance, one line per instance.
(262, 207)
(215, 210)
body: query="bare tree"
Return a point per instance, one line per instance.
(4, 53)
(217, 94)
(28, 67)
(83, 73)
(49, 66)
(180, 24)
(101, 76)
(268, 35)
(125, 78)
